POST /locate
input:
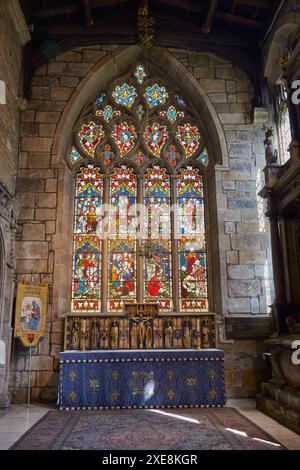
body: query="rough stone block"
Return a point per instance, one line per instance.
(250, 227)
(239, 305)
(232, 257)
(28, 115)
(29, 266)
(61, 93)
(92, 56)
(254, 305)
(57, 68)
(70, 56)
(230, 86)
(50, 227)
(47, 116)
(29, 129)
(39, 160)
(40, 93)
(71, 82)
(45, 214)
(242, 203)
(244, 288)
(229, 227)
(78, 70)
(34, 144)
(242, 150)
(253, 257)
(228, 185)
(47, 200)
(240, 271)
(213, 86)
(232, 118)
(226, 73)
(33, 232)
(23, 159)
(51, 185)
(47, 130)
(246, 242)
(32, 250)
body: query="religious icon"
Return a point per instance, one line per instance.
(31, 310)
(168, 335)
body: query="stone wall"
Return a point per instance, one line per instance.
(13, 36)
(244, 279)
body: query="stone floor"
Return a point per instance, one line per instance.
(19, 418)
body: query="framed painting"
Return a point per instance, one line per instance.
(31, 313)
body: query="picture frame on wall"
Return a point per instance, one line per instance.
(30, 313)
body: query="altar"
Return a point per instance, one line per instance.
(117, 379)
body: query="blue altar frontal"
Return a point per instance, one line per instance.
(141, 379)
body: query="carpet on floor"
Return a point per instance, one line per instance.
(164, 429)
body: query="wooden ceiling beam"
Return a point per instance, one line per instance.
(213, 4)
(183, 4)
(255, 3)
(73, 8)
(87, 9)
(240, 20)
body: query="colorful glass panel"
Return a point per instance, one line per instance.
(90, 136)
(100, 98)
(179, 100)
(125, 136)
(122, 232)
(204, 157)
(75, 156)
(140, 111)
(189, 137)
(125, 95)
(155, 137)
(122, 276)
(108, 113)
(157, 259)
(155, 95)
(107, 155)
(87, 240)
(173, 156)
(192, 247)
(172, 114)
(140, 74)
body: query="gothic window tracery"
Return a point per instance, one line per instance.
(139, 156)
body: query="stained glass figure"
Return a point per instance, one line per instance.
(107, 155)
(125, 95)
(155, 95)
(122, 277)
(140, 111)
(75, 156)
(155, 136)
(140, 74)
(90, 136)
(122, 231)
(189, 137)
(157, 261)
(192, 248)
(87, 240)
(108, 113)
(125, 136)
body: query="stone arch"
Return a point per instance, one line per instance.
(2, 273)
(284, 27)
(99, 75)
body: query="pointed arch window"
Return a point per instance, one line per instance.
(139, 157)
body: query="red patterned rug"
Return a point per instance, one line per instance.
(191, 429)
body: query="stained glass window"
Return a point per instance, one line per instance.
(122, 234)
(87, 241)
(155, 133)
(192, 247)
(157, 261)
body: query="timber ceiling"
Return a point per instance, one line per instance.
(234, 29)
